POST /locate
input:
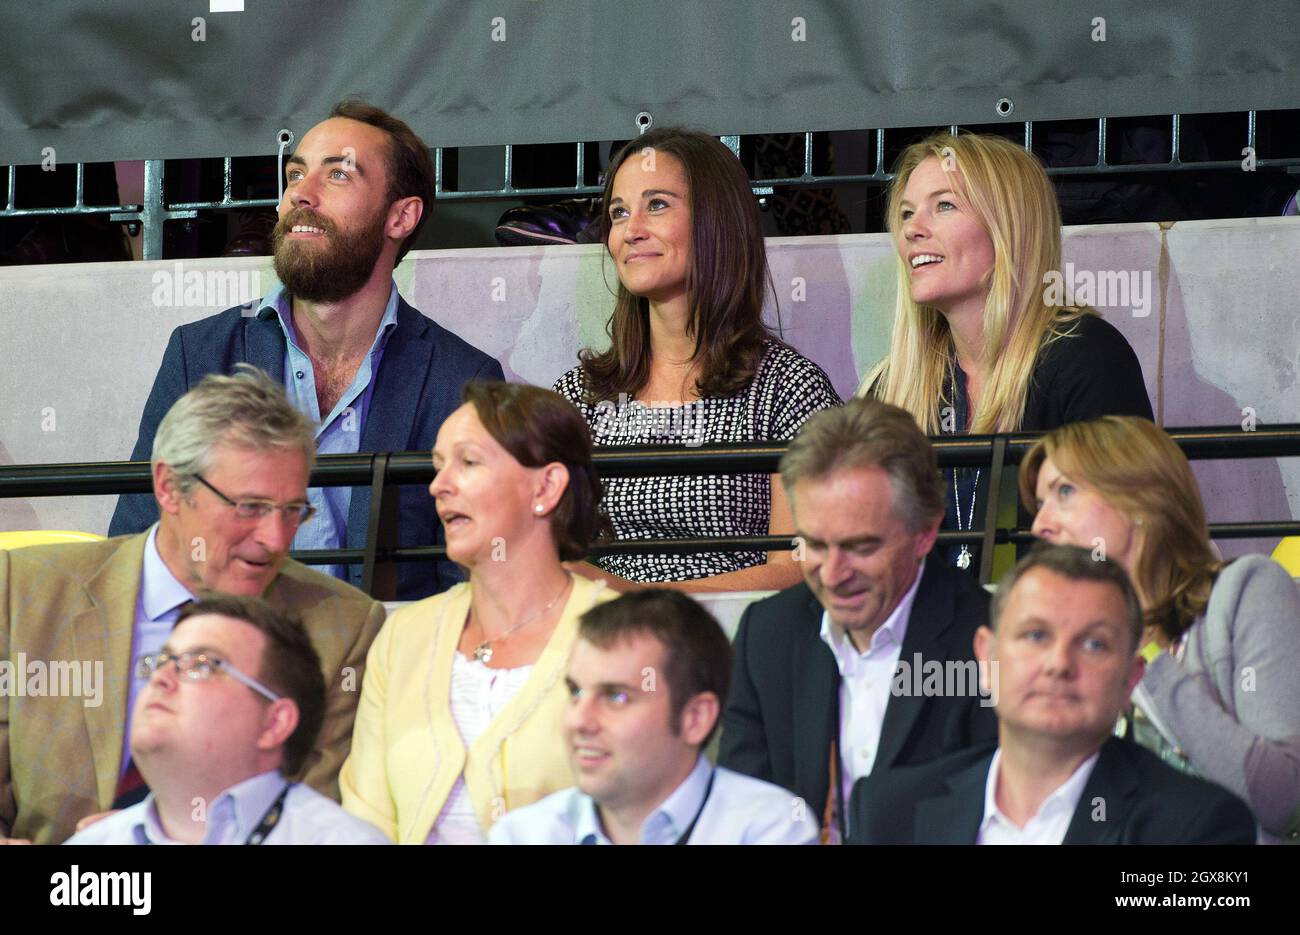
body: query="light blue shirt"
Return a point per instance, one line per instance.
(157, 606)
(340, 431)
(739, 810)
(308, 818)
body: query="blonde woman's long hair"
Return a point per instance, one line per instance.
(1010, 195)
(1139, 471)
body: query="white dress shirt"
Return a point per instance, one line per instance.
(307, 818)
(1047, 825)
(865, 680)
(739, 810)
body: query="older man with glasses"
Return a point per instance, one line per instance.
(217, 744)
(231, 461)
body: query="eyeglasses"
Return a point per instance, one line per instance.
(295, 514)
(199, 667)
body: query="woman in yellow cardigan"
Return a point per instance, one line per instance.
(464, 694)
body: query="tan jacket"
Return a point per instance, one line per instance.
(60, 759)
(406, 750)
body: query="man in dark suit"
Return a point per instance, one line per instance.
(868, 665)
(371, 371)
(1063, 641)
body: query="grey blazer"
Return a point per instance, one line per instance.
(1232, 704)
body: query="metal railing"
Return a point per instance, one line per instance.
(154, 211)
(385, 472)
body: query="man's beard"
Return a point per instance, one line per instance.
(330, 271)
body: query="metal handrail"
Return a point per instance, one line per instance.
(388, 470)
(156, 210)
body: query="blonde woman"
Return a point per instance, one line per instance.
(979, 346)
(463, 700)
(1220, 696)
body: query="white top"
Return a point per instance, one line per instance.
(739, 810)
(1047, 825)
(865, 680)
(478, 693)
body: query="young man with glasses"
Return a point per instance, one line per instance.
(230, 466)
(233, 702)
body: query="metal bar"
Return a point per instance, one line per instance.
(415, 467)
(427, 553)
(582, 166)
(732, 143)
(991, 504)
(509, 169)
(379, 574)
(153, 214)
(152, 220)
(81, 185)
(233, 205)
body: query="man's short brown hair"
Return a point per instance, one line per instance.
(410, 167)
(868, 433)
(697, 654)
(1076, 564)
(290, 665)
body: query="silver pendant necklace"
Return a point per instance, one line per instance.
(483, 651)
(964, 555)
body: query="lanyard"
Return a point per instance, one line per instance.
(271, 818)
(268, 822)
(686, 835)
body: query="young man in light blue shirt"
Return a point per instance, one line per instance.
(232, 705)
(647, 679)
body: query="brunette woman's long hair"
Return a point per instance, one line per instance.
(724, 283)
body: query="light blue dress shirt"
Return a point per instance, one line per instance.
(308, 818)
(340, 431)
(157, 606)
(739, 810)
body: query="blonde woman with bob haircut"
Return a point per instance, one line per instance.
(977, 346)
(1220, 697)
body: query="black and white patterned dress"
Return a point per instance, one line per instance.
(786, 390)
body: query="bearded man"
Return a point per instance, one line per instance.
(370, 371)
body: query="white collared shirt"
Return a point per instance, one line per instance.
(1047, 825)
(307, 818)
(865, 680)
(738, 810)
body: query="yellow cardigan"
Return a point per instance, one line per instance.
(406, 751)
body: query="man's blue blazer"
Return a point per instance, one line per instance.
(418, 385)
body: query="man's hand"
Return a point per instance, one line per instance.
(98, 816)
(14, 841)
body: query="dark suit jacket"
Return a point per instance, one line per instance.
(418, 385)
(783, 709)
(1145, 801)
